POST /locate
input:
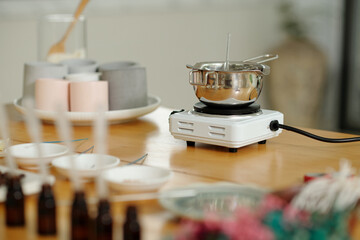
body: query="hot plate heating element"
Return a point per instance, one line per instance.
(232, 131)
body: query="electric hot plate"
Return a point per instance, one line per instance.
(228, 127)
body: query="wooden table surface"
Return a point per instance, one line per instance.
(279, 163)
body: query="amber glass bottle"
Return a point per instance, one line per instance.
(131, 227)
(14, 204)
(79, 217)
(46, 211)
(104, 223)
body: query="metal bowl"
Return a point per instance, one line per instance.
(238, 85)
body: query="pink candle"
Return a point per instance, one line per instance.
(51, 93)
(88, 96)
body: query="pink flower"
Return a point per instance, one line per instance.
(246, 226)
(189, 230)
(270, 203)
(212, 222)
(292, 214)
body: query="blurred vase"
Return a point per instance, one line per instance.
(297, 81)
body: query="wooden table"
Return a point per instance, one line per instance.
(279, 163)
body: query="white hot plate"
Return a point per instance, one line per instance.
(86, 118)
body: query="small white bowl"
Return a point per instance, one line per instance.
(86, 164)
(26, 155)
(83, 77)
(136, 178)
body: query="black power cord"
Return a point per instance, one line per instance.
(275, 125)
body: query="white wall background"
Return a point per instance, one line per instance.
(164, 36)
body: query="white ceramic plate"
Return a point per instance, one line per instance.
(86, 118)
(86, 164)
(137, 178)
(31, 183)
(220, 198)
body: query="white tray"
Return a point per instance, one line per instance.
(31, 183)
(86, 118)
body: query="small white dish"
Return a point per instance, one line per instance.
(87, 118)
(86, 164)
(83, 77)
(137, 178)
(26, 154)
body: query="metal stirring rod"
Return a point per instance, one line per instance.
(226, 64)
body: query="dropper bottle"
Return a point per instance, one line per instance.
(46, 221)
(14, 204)
(131, 227)
(79, 211)
(104, 220)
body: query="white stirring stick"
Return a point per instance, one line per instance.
(34, 128)
(64, 130)
(100, 133)
(226, 65)
(5, 136)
